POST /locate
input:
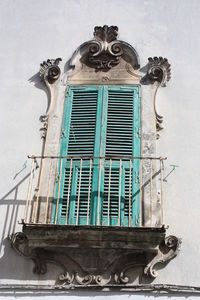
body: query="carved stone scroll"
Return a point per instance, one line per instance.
(167, 250)
(105, 51)
(49, 74)
(158, 69)
(101, 257)
(49, 70)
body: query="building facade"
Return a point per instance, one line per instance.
(108, 197)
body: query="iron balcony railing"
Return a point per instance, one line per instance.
(103, 191)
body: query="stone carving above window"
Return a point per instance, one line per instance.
(105, 51)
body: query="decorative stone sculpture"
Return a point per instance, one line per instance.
(90, 256)
(49, 70)
(105, 51)
(158, 70)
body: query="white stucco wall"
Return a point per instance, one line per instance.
(32, 31)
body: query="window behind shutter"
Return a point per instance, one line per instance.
(83, 123)
(119, 135)
(80, 127)
(99, 184)
(120, 178)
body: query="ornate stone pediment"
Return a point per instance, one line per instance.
(105, 51)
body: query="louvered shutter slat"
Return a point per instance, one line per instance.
(119, 142)
(81, 142)
(83, 123)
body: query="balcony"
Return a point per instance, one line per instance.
(95, 215)
(101, 191)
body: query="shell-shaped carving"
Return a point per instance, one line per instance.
(49, 70)
(159, 69)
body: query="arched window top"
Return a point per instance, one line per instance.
(105, 52)
(104, 59)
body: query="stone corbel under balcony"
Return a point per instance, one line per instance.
(97, 256)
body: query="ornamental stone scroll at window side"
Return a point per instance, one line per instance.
(49, 74)
(159, 72)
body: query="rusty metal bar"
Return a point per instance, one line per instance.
(101, 157)
(151, 204)
(141, 190)
(161, 190)
(69, 191)
(120, 182)
(79, 191)
(89, 190)
(109, 185)
(28, 192)
(130, 193)
(38, 193)
(58, 193)
(98, 199)
(47, 202)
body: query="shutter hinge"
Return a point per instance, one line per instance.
(137, 220)
(68, 92)
(137, 177)
(57, 177)
(63, 134)
(138, 132)
(139, 92)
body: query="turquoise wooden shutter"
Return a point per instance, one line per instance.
(121, 176)
(81, 136)
(101, 124)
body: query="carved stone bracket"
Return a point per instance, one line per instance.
(43, 129)
(49, 73)
(167, 250)
(158, 71)
(49, 70)
(105, 51)
(96, 257)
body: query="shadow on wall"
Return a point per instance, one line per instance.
(38, 83)
(12, 265)
(11, 207)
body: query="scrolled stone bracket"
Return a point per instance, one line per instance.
(19, 242)
(166, 252)
(49, 73)
(49, 70)
(103, 266)
(158, 72)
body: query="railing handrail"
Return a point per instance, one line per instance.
(139, 174)
(99, 157)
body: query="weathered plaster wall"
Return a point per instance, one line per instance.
(32, 31)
